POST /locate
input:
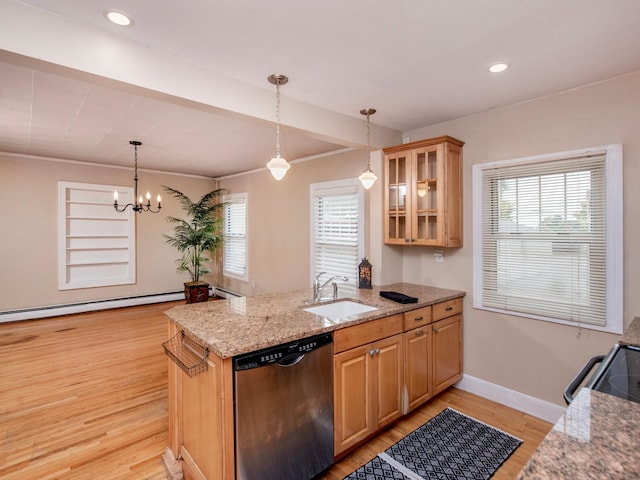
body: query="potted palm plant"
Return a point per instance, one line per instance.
(197, 236)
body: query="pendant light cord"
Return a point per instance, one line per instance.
(277, 119)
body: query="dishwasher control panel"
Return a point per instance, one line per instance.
(278, 353)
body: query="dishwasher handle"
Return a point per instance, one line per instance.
(579, 378)
(290, 360)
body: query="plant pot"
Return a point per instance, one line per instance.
(195, 292)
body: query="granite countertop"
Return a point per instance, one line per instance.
(597, 437)
(244, 324)
(632, 333)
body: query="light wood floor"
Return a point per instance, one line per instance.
(85, 397)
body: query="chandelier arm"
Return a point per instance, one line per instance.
(138, 205)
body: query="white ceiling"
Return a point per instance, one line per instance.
(189, 79)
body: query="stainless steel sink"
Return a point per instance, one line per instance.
(340, 310)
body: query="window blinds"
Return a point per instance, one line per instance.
(544, 239)
(337, 235)
(235, 236)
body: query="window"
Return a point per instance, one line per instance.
(96, 244)
(235, 236)
(337, 230)
(548, 237)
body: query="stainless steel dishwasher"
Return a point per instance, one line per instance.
(284, 410)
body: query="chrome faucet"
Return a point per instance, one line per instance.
(317, 288)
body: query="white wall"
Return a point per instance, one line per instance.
(535, 357)
(29, 212)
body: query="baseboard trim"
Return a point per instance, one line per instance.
(91, 306)
(536, 407)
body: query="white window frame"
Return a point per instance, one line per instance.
(338, 187)
(613, 234)
(96, 244)
(229, 200)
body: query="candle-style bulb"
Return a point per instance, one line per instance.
(159, 198)
(115, 195)
(148, 196)
(140, 200)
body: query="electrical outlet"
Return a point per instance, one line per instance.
(439, 256)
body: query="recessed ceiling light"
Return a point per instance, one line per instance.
(119, 18)
(498, 67)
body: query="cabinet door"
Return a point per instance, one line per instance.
(418, 378)
(397, 199)
(388, 380)
(352, 397)
(452, 193)
(447, 352)
(427, 190)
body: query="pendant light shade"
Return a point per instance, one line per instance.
(278, 164)
(368, 178)
(278, 167)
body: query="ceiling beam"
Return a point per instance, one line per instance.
(60, 45)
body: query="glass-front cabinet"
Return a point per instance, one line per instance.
(423, 193)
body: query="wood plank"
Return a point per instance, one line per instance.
(529, 429)
(85, 395)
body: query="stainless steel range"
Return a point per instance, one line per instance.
(618, 374)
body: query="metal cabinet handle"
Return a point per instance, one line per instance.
(436, 329)
(449, 308)
(417, 319)
(419, 333)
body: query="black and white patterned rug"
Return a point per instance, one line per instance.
(450, 446)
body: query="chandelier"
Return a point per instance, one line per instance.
(368, 178)
(278, 165)
(139, 206)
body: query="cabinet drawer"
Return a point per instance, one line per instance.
(350, 337)
(417, 318)
(446, 309)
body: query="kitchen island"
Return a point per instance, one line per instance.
(201, 408)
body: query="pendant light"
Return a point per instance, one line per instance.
(139, 205)
(278, 165)
(368, 178)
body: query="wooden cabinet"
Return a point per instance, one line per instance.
(368, 380)
(433, 351)
(201, 438)
(418, 377)
(447, 352)
(423, 193)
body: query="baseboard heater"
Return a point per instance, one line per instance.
(95, 305)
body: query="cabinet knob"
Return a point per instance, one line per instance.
(407, 240)
(436, 329)
(371, 353)
(377, 351)
(418, 319)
